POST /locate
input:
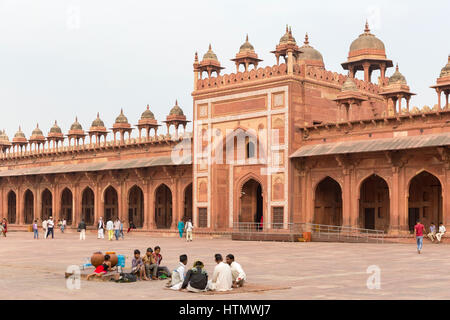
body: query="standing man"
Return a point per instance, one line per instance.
(121, 230)
(82, 227)
(441, 232)
(432, 233)
(110, 229)
(418, 230)
(50, 227)
(63, 225)
(44, 227)
(117, 228)
(100, 229)
(189, 228)
(35, 230)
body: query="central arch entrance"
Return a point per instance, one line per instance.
(328, 203)
(12, 205)
(425, 200)
(163, 207)
(188, 202)
(87, 206)
(374, 204)
(28, 209)
(66, 206)
(136, 206)
(251, 203)
(47, 206)
(111, 203)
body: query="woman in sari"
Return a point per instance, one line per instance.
(181, 228)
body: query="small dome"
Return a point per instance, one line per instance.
(210, 55)
(55, 128)
(246, 46)
(308, 52)
(37, 131)
(98, 122)
(176, 110)
(349, 85)
(76, 125)
(19, 134)
(147, 114)
(366, 40)
(445, 71)
(287, 37)
(121, 118)
(397, 77)
(3, 136)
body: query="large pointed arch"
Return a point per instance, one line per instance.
(136, 206)
(88, 206)
(328, 202)
(374, 203)
(12, 207)
(46, 204)
(111, 203)
(28, 206)
(163, 207)
(67, 205)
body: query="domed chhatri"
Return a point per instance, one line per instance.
(287, 37)
(37, 132)
(76, 126)
(210, 55)
(121, 118)
(177, 111)
(55, 129)
(309, 55)
(209, 63)
(443, 85)
(147, 114)
(176, 118)
(98, 123)
(445, 71)
(287, 46)
(19, 134)
(397, 77)
(4, 137)
(367, 53)
(246, 56)
(349, 85)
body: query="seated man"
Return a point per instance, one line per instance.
(441, 232)
(178, 274)
(102, 269)
(158, 258)
(196, 279)
(432, 233)
(137, 266)
(222, 279)
(236, 270)
(151, 267)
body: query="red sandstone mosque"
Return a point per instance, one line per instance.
(288, 143)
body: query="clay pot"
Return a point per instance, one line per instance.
(114, 258)
(97, 259)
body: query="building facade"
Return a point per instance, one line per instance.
(274, 145)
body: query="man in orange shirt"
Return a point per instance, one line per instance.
(418, 230)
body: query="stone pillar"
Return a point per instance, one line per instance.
(76, 205)
(446, 197)
(439, 97)
(382, 72)
(290, 62)
(145, 224)
(99, 205)
(394, 227)
(351, 72)
(151, 205)
(354, 210)
(403, 196)
(38, 203)
(123, 202)
(366, 67)
(346, 199)
(175, 203)
(19, 206)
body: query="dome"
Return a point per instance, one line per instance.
(19, 134)
(147, 114)
(98, 122)
(308, 52)
(121, 118)
(210, 55)
(55, 128)
(246, 46)
(37, 131)
(445, 71)
(397, 77)
(176, 110)
(76, 125)
(367, 40)
(3, 136)
(287, 37)
(349, 85)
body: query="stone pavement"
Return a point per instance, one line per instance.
(34, 269)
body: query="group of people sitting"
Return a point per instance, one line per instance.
(432, 234)
(225, 277)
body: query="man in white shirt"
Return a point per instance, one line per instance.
(441, 232)
(44, 227)
(178, 274)
(100, 229)
(189, 227)
(110, 229)
(238, 273)
(50, 226)
(222, 279)
(117, 228)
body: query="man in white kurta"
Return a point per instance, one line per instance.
(222, 279)
(238, 273)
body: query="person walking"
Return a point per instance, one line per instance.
(181, 228)
(418, 230)
(117, 228)
(35, 230)
(189, 227)
(100, 229)
(50, 227)
(4, 227)
(110, 229)
(63, 225)
(45, 228)
(121, 230)
(82, 228)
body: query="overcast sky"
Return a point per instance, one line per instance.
(65, 58)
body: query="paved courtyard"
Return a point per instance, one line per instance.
(31, 269)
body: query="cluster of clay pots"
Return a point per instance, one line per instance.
(97, 258)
